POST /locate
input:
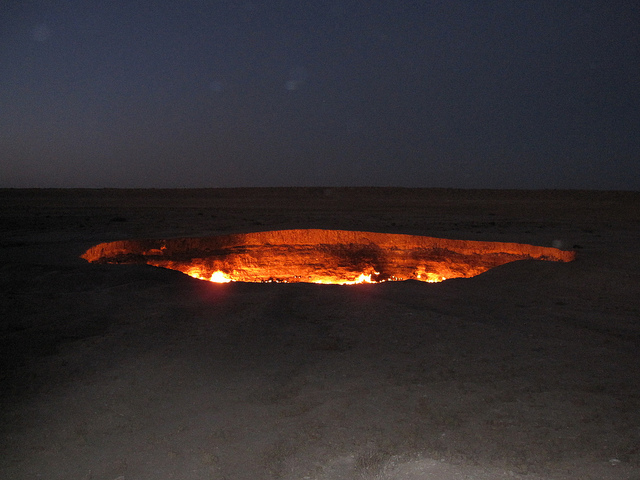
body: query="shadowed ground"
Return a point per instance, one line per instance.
(529, 370)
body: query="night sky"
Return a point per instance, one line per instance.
(464, 94)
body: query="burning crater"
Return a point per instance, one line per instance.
(321, 256)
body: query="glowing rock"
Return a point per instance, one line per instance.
(321, 256)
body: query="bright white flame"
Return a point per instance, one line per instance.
(362, 278)
(219, 277)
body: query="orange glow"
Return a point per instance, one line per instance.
(321, 256)
(362, 278)
(194, 272)
(219, 277)
(430, 277)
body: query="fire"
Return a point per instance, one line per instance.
(195, 273)
(216, 277)
(219, 277)
(430, 277)
(362, 278)
(321, 256)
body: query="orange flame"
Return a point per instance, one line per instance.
(219, 277)
(321, 256)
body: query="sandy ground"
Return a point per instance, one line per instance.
(529, 371)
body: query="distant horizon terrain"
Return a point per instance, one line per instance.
(326, 188)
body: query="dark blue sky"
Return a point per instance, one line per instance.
(492, 94)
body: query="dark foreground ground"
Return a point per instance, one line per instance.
(529, 371)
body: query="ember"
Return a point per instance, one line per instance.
(321, 256)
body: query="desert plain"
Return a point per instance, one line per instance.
(113, 372)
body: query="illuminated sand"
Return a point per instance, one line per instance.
(527, 371)
(322, 256)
